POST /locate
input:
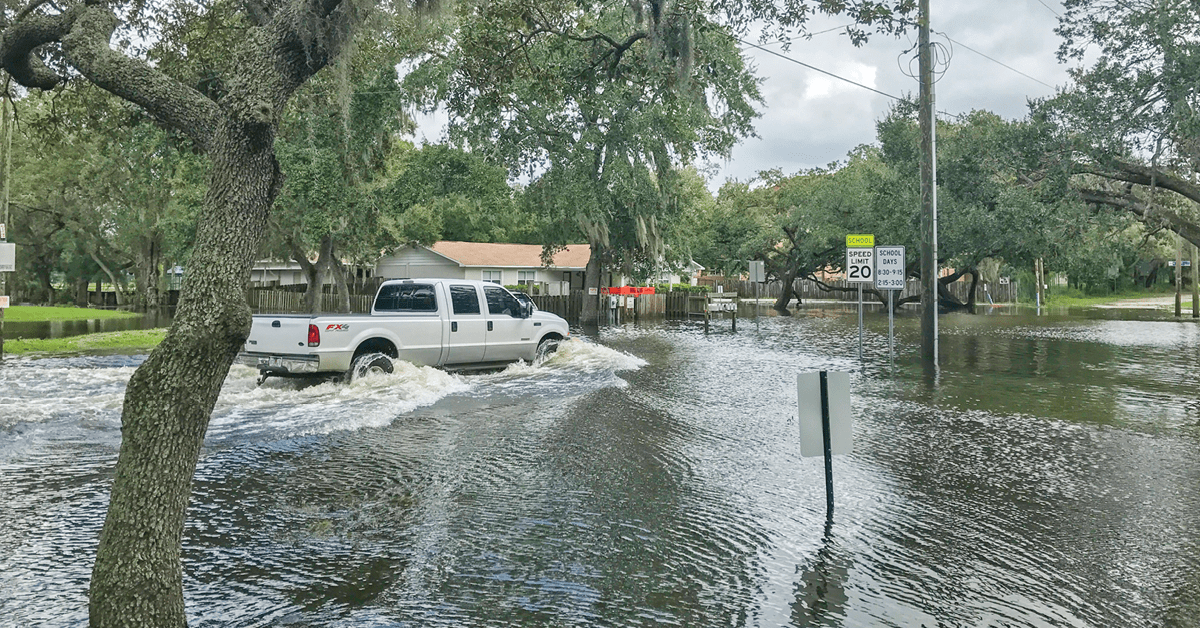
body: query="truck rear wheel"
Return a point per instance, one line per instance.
(370, 364)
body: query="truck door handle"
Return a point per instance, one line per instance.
(489, 325)
(454, 326)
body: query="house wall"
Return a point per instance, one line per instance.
(278, 277)
(420, 262)
(511, 276)
(411, 263)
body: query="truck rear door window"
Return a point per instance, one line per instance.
(501, 303)
(406, 297)
(464, 299)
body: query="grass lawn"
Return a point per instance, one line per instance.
(37, 313)
(1074, 298)
(134, 341)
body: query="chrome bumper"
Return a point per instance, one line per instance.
(281, 364)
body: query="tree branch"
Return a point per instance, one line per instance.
(20, 40)
(1186, 229)
(84, 32)
(1137, 174)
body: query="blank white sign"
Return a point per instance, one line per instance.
(8, 257)
(808, 394)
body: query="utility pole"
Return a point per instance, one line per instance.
(929, 266)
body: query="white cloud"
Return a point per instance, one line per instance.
(811, 119)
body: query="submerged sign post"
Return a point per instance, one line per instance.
(826, 425)
(889, 275)
(8, 264)
(860, 269)
(758, 274)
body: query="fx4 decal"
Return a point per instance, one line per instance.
(338, 327)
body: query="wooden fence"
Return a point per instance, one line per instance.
(662, 305)
(999, 293)
(288, 302)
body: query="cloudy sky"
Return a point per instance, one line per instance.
(811, 119)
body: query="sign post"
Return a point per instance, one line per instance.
(758, 274)
(826, 425)
(860, 269)
(889, 275)
(8, 264)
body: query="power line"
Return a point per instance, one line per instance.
(995, 60)
(810, 35)
(840, 78)
(1048, 8)
(813, 67)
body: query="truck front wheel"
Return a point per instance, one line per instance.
(546, 348)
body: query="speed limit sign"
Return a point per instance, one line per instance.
(860, 265)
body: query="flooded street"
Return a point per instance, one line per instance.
(650, 476)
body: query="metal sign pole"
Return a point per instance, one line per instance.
(860, 327)
(891, 324)
(827, 442)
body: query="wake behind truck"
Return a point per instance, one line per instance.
(450, 323)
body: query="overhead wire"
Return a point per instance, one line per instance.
(831, 74)
(1048, 8)
(996, 61)
(815, 68)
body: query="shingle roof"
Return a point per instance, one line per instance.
(510, 255)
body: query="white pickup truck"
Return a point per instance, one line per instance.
(451, 323)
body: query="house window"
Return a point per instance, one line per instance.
(526, 277)
(493, 276)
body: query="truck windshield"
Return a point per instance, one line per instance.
(406, 297)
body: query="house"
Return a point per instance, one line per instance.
(269, 273)
(277, 273)
(505, 264)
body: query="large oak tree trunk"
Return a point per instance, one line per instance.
(785, 295)
(148, 268)
(590, 313)
(338, 271)
(137, 577)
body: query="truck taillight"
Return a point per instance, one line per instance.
(314, 336)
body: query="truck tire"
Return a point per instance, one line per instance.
(370, 363)
(546, 348)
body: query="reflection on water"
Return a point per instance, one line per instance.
(821, 591)
(651, 476)
(64, 329)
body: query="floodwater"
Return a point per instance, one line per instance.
(650, 476)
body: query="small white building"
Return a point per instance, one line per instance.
(504, 264)
(277, 273)
(270, 273)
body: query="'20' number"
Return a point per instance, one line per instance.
(860, 272)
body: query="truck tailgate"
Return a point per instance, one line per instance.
(279, 333)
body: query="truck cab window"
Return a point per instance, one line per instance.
(501, 303)
(464, 299)
(406, 298)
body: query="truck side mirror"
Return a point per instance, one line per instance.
(527, 309)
